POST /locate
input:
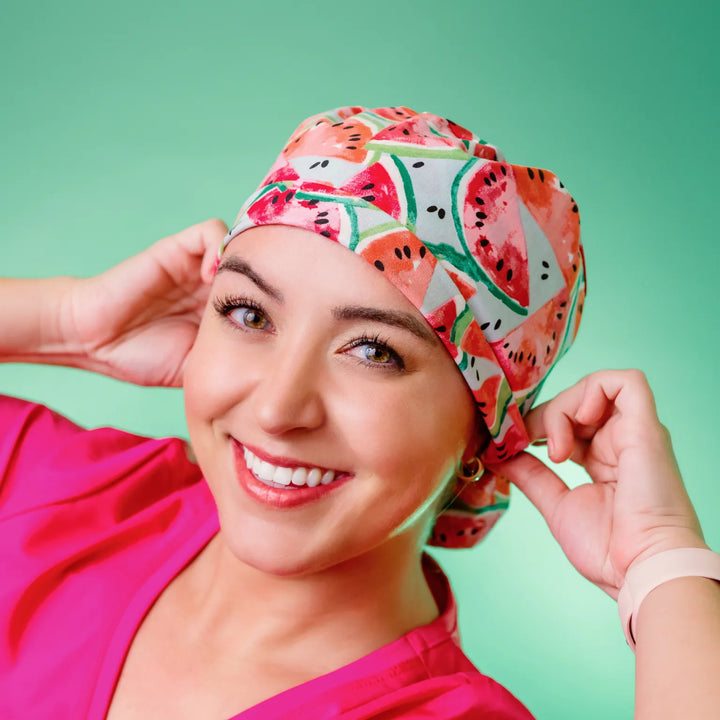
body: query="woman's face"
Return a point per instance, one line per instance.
(311, 360)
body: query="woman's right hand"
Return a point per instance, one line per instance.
(137, 321)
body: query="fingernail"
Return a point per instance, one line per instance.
(539, 443)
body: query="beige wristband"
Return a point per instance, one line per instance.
(657, 569)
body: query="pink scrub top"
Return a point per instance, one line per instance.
(94, 524)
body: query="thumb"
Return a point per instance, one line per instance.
(542, 487)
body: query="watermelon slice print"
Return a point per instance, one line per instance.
(488, 223)
(345, 140)
(376, 186)
(555, 212)
(280, 205)
(528, 352)
(404, 260)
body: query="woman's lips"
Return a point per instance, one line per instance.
(297, 484)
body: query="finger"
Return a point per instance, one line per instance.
(537, 482)
(203, 241)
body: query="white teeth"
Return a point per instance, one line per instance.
(283, 475)
(279, 475)
(299, 476)
(266, 471)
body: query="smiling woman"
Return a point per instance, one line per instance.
(359, 356)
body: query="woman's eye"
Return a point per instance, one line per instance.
(249, 317)
(374, 352)
(242, 312)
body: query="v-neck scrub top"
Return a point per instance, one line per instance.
(94, 524)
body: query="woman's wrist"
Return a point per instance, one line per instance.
(36, 323)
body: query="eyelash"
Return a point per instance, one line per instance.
(224, 306)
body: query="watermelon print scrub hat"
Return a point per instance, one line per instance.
(489, 252)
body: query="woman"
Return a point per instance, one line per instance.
(285, 577)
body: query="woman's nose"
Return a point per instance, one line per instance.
(290, 394)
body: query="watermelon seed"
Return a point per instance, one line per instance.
(474, 531)
(575, 208)
(501, 456)
(322, 221)
(542, 177)
(487, 181)
(348, 127)
(574, 267)
(492, 177)
(509, 275)
(326, 233)
(460, 532)
(500, 264)
(563, 304)
(530, 173)
(314, 165)
(369, 198)
(432, 208)
(484, 242)
(398, 253)
(547, 350)
(480, 215)
(482, 404)
(533, 360)
(477, 376)
(580, 308)
(472, 362)
(485, 326)
(501, 447)
(479, 223)
(479, 201)
(423, 250)
(313, 202)
(337, 124)
(406, 250)
(289, 196)
(406, 131)
(554, 335)
(559, 316)
(369, 186)
(440, 329)
(323, 214)
(441, 213)
(521, 357)
(379, 265)
(418, 164)
(351, 147)
(325, 163)
(561, 185)
(275, 199)
(506, 345)
(497, 324)
(544, 276)
(443, 537)
(319, 122)
(504, 171)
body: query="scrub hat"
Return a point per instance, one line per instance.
(489, 252)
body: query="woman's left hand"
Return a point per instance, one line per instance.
(636, 504)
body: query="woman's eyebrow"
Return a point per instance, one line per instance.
(238, 265)
(397, 318)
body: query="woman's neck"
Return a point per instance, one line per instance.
(335, 616)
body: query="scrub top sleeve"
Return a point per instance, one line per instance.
(46, 458)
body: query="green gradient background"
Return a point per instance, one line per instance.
(125, 122)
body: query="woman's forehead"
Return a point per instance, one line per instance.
(284, 259)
